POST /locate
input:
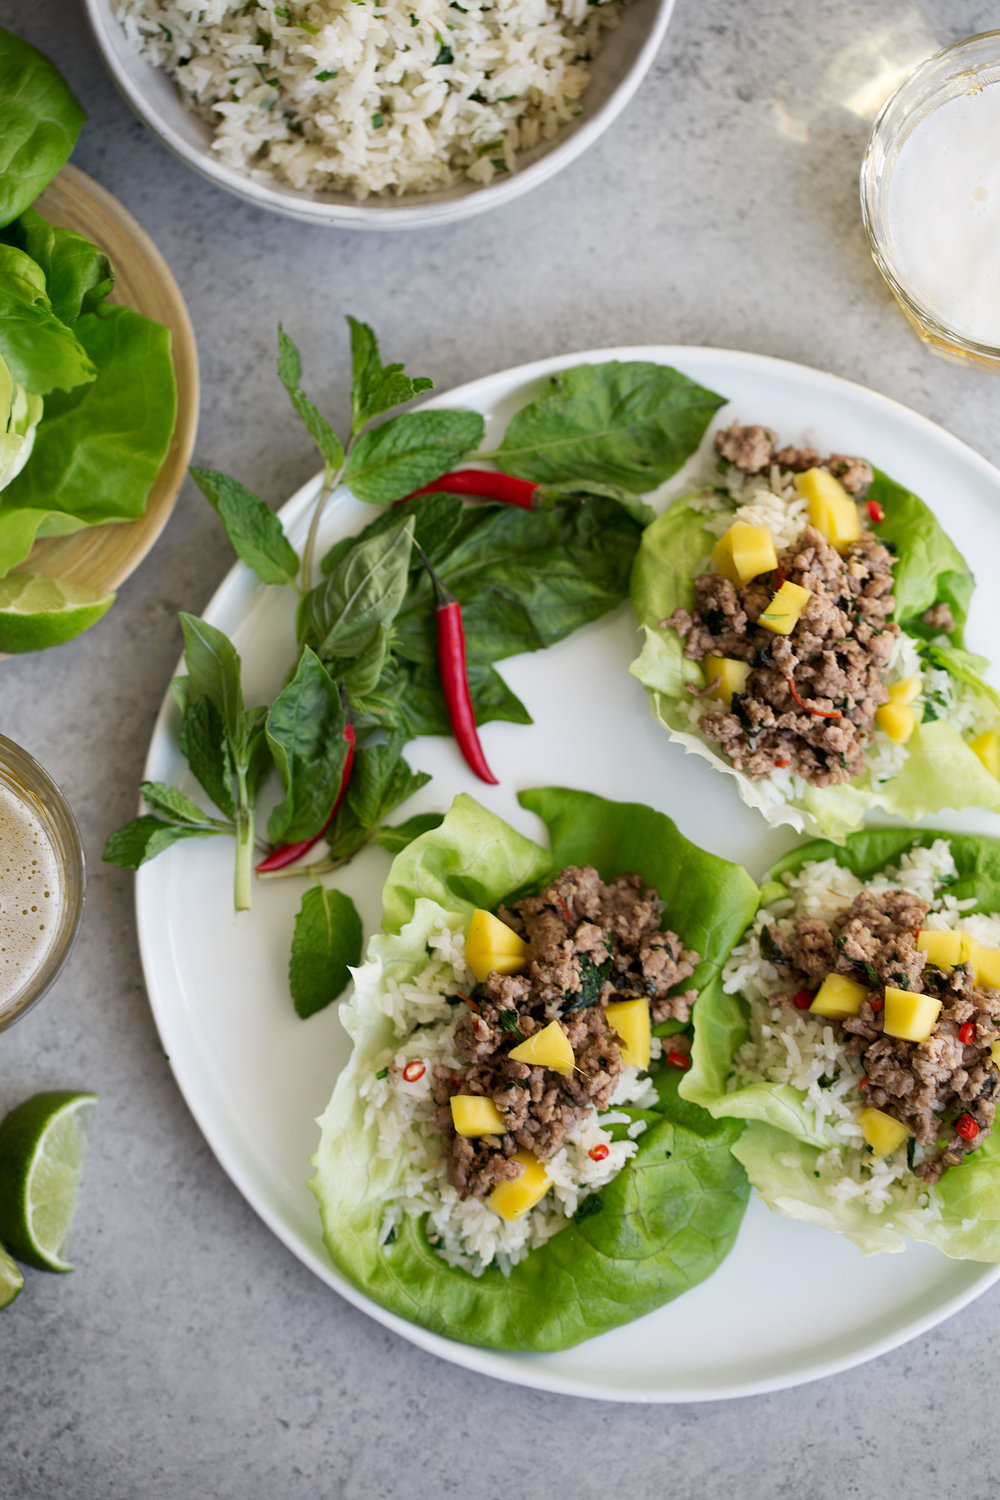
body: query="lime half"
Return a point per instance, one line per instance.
(37, 611)
(11, 1280)
(41, 1153)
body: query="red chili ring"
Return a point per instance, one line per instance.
(678, 1060)
(802, 999)
(967, 1127)
(598, 1153)
(414, 1070)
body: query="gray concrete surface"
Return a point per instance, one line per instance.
(191, 1354)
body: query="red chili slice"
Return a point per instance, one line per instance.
(967, 1033)
(818, 713)
(876, 1002)
(802, 999)
(875, 512)
(864, 1082)
(967, 1127)
(598, 1153)
(414, 1070)
(678, 1060)
(782, 764)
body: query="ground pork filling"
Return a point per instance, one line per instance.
(810, 700)
(588, 944)
(933, 1086)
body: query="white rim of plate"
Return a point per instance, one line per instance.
(373, 217)
(515, 1368)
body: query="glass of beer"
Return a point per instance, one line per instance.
(42, 881)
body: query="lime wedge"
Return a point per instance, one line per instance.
(41, 1153)
(11, 1280)
(37, 611)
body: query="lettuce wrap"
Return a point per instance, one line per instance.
(936, 769)
(784, 1144)
(667, 1220)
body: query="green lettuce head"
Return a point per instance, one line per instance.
(665, 1222)
(20, 415)
(938, 769)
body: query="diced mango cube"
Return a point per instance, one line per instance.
(909, 1017)
(906, 689)
(898, 720)
(831, 509)
(474, 1114)
(988, 750)
(782, 614)
(943, 949)
(883, 1133)
(491, 945)
(987, 961)
(750, 549)
(838, 997)
(548, 1048)
(511, 1200)
(971, 952)
(729, 676)
(630, 1018)
(995, 1052)
(723, 559)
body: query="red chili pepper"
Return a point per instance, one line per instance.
(876, 1002)
(414, 1070)
(818, 713)
(455, 678)
(782, 764)
(967, 1033)
(473, 1004)
(678, 1060)
(802, 999)
(780, 575)
(485, 484)
(287, 854)
(864, 1082)
(565, 911)
(875, 512)
(598, 1153)
(967, 1127)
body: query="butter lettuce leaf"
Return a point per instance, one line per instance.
(666, 1221)
(40, 120)
(782, 1141)
(940, 771)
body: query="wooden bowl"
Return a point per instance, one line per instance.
(104, 556)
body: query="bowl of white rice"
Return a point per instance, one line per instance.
(378, 114)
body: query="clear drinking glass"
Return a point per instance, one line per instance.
(42, 881)
(963, 70)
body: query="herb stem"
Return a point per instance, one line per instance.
(245, 843)
(331, 480)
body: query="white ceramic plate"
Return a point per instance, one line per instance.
(623, 61)
(792, 1302)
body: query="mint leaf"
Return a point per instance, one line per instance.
(290, 372)
(328, 937)
(410, 451)
(173, 803)
(252, 527)
(376, 387)
(146, 837)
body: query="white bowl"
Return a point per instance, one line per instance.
(616, 72)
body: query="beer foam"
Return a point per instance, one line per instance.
(31, 894)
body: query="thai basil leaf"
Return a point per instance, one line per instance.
(376, 387)
(397, 837)
(408, 452)
(252, 527)
(39, 122)
(524, 579)
(78, 274)
(340, 616)
(305, 733)
(204, 746)
(374, 766)
(362, 675)
(436, 518)
(327, 939)
(319, 429)
(99, 448)
(214, 672)
(421, 705)
(628, 424)
(146, 837)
